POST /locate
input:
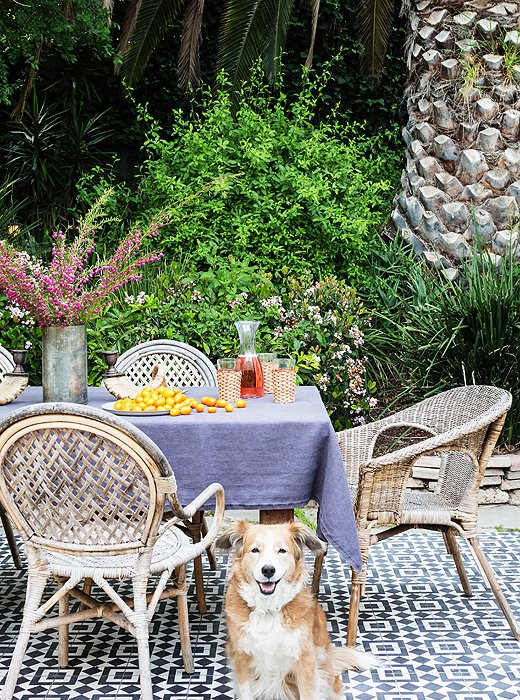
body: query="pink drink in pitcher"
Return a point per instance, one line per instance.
(252, 376)
(248, 361)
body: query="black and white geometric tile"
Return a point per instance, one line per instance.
(438, 644)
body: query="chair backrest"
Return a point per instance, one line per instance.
(457, 408)
(75, 479)
(6, 362)
(185, 365)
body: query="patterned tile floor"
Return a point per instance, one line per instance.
(438, 644)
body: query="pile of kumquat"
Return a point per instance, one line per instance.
(173, 400)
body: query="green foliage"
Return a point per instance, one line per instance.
(448, 333)
(46, 152)
(303, 195)
(145, 24)
(374, 26)
(30, 35)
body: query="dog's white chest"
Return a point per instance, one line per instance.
(273, 647)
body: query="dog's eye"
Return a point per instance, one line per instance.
(282, 551)
(255, 550)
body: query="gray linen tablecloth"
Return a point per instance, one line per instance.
(267, 456)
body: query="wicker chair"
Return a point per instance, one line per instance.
(7, 365)
(6, 362)
(87, 491)
(185, 365)
(461, 426)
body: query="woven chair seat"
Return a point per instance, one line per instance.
(426, 507)
(171, 549)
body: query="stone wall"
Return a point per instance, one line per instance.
(500, 485)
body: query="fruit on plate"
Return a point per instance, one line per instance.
(161, 399)
(174, 401)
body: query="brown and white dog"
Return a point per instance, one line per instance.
(278, 645)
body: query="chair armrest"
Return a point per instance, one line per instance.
(357, 444)
(189, 511)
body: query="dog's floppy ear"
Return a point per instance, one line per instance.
(306, 538)
(233, 536)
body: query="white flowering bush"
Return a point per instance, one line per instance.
(322, 323)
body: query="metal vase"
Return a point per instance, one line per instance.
(64, 364)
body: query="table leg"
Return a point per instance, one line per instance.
(275, 517)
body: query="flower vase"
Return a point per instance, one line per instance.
(64, 364)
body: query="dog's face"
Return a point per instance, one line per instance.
(269, 558)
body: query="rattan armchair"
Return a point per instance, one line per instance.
(185, 366)
(7, 365)
(87, 490)
(461, 426)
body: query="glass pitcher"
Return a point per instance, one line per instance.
(248, 361)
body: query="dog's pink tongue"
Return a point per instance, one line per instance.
(267, 587)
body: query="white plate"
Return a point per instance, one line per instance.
(110, 407)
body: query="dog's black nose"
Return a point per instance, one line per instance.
(268, 571)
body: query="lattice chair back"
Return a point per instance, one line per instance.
(185, 365)
(76, 480)
(6, 362)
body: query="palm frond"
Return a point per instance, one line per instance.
(189, 69)
(246, 27)
(275, 40)
(151, 19)
(127, 28)
(314, 6)
(374, 24)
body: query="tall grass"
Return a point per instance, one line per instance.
(435, 333)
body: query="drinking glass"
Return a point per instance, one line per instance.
(229, 379)
(266, 360)
(284, 379)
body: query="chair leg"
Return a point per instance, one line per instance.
(358, 585)
(63, 633)
(11, 541)
(501, 600)
(211, 554)
(87, 588)
(35, 589)
(184, 625)
(141, 634)
(194, 530)
(450, 540)
(316, 576)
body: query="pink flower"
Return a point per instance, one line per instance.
(66, 291)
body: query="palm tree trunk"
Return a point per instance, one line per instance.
(461, 185)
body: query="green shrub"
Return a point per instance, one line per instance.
(306, 196)
(448, 333)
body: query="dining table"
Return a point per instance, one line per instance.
(268, 457)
